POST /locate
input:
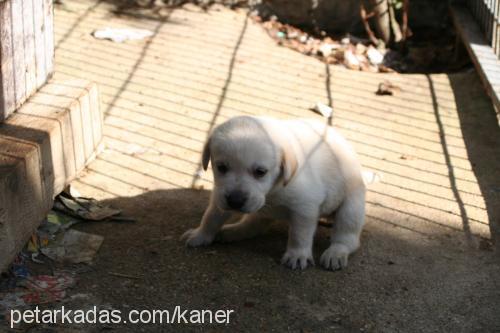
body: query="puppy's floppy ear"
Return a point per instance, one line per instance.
(206, 154)
(289, 163)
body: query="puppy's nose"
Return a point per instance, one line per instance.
(236, 199)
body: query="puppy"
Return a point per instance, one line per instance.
(295, 170)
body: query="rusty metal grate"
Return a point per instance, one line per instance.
(486, 13)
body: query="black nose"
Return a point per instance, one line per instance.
(236, 199)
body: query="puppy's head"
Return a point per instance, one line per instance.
(248, 160)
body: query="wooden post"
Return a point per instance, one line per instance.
(26, 50)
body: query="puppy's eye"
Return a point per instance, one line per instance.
(222, 168)
(259, 172)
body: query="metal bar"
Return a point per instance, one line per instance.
(487, 15)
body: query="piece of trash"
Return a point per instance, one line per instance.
(18, 267)
(135, 149)
(73, 246)
(124, 275)
(34, 258)
(120, 35)
(360, 49)
(406, 157)
(323, 109)
(197, 176)
(72, 191)
(371, 177)
(386, 88)
(375, 56)
(280, 34)
(350, 60)
(86, 208)
(327, 49)
(35, 290)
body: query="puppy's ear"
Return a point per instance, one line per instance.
(289, 163)
(206, 155)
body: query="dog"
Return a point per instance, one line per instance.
(295, 170)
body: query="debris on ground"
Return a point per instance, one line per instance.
(430, 52)
(54, 238)
(354, 53)
(120, 35)
(387, 88)
(73, 247)
(19, 288)
(35, 290)
(323, 109)
(86, 208)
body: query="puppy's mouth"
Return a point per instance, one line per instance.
(244, 210)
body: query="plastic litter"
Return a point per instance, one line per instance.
(34, 290)
(375, 56)
(323, 109)
(350, 60)
(120, 35)
(86, 209)
(327, 49)
(74, 247)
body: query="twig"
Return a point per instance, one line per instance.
(125, 276)
(406, 8)
(365, 17)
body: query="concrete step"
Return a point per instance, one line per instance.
(43, 146)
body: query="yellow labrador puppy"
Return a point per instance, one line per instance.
(293, 170)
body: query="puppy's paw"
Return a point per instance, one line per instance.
(297, 258)
(335, 257)
(195, 237)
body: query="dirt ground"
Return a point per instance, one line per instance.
(427, 262)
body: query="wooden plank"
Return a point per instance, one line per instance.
(29, 47)
(26, 50)
(18, 40)
(40, 153)
(39, 27)
(482, 54)
(7, 93)
(49, 36)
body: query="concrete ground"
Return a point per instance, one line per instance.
(427, 261)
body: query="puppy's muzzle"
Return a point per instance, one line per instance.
(236, 199)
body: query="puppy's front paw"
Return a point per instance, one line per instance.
(297, 258)
(195, 237)
(335, 257)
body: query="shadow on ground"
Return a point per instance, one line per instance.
(481, 133)
(394, 282)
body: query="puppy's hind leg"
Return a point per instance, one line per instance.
(248, 227)
(349, 221)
